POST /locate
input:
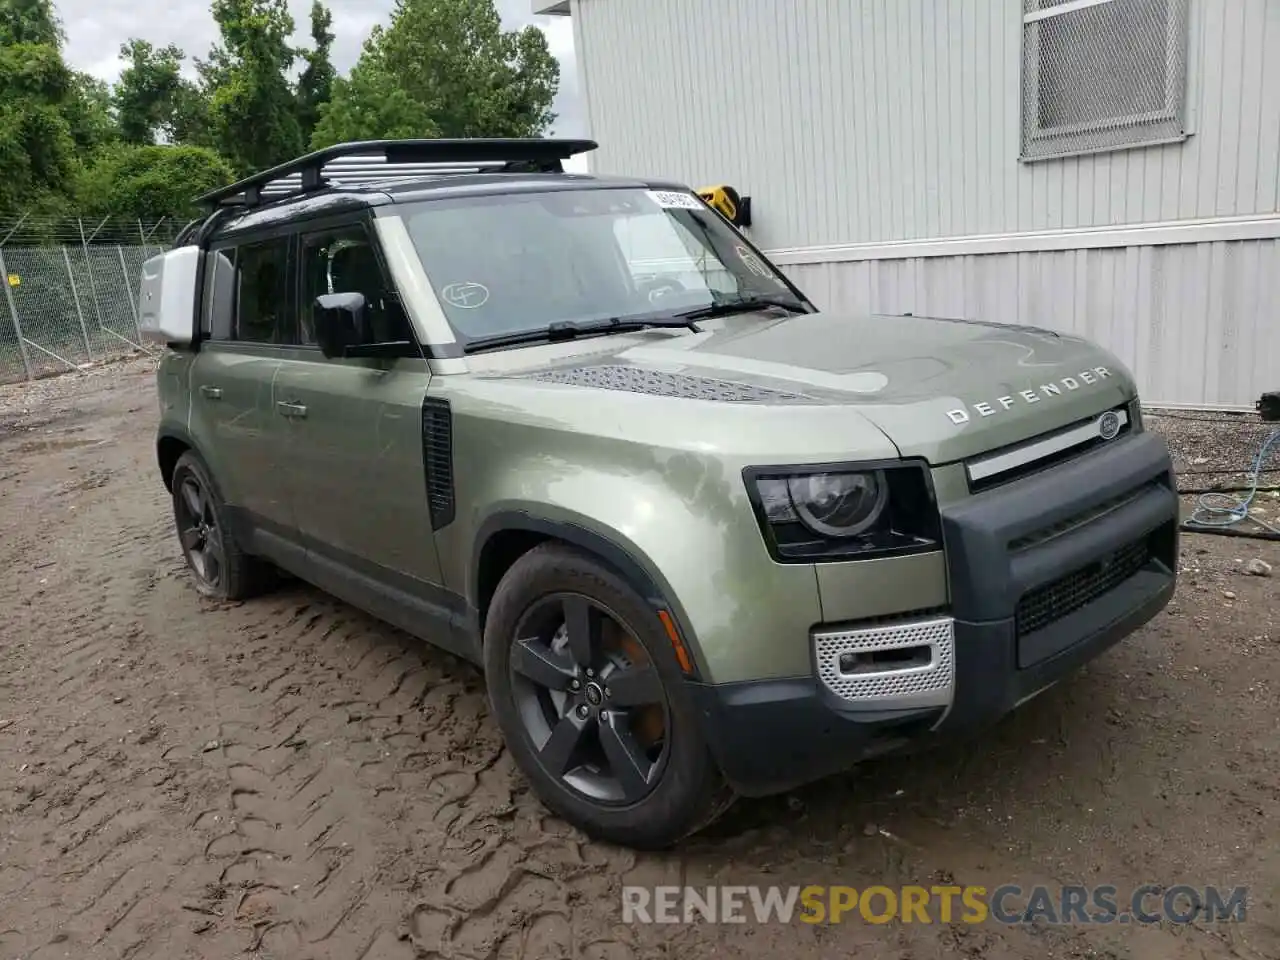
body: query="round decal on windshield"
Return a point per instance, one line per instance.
(466, 296)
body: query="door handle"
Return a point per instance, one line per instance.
(213, 393)
(291, 409)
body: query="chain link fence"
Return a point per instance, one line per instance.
(71, 291)
(1102, 74)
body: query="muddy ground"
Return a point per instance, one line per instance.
(289, 778)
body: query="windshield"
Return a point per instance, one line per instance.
(521, 262)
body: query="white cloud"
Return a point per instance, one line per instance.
(96, 29)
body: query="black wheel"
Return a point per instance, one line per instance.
(592, 703)
(218, 566)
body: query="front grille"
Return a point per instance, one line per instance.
(1059, 598)
(1094, 513)
(1042, 452)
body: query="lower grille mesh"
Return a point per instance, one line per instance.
(1047, 604)
(931, 684)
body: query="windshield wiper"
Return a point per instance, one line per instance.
(726, 307)
(570, 330)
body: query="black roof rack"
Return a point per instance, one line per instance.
(377, 161)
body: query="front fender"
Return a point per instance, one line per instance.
(678, 524)
(608, 545)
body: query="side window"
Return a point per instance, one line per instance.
(219, 294)
(343, 260)
(261, 314)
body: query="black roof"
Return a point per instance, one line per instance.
(380, 163)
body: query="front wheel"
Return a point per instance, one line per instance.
(592, 704)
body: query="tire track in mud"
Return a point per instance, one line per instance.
(327, 787)
(373, 810)
(95, 800)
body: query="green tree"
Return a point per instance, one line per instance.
(252, 110)
(147, 92)
(90, 112)
(444, 68)
(154, 101)
(29, 21)
(189, 121)
(37, 150)
(315, 84)
(371, 105)
(148, 182)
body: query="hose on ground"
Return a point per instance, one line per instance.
(1220, 512)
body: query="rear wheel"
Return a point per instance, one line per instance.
(218, 566)
(586, 689)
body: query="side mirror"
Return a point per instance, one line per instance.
(340, 322)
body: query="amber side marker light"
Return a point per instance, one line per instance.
(682, 655)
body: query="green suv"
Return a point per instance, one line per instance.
(704, 539)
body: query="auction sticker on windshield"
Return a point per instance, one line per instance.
(675, 199)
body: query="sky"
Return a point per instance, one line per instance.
(96, 29)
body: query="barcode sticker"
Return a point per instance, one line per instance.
(675, 199)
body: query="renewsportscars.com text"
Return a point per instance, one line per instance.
(1009, 904)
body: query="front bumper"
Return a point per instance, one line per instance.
(1045, 573)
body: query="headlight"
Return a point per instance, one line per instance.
(829, 504)
(838, 513)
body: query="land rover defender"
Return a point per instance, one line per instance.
(703, 538)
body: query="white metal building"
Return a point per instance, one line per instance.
(1104, 167)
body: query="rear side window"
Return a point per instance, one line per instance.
(261, 313)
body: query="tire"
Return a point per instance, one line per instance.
(683, 790)
(238, 575)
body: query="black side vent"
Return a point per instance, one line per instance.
(437, 458)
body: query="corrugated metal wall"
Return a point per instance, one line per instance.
(857, 121)
(1198, 324)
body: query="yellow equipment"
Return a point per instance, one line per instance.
(726, 201)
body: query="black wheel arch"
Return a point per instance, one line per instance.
(171, 443)
(506, 536)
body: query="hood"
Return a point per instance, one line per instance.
(938, 388)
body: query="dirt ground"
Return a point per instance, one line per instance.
(288, 778)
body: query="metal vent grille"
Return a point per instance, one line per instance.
(928, 685)
(1048, 604)
(1102, 75)
(437, 458)
(661, 384)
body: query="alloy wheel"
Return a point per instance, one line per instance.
(591, 700)
(199, 533)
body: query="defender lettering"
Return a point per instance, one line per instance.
(960, 415)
